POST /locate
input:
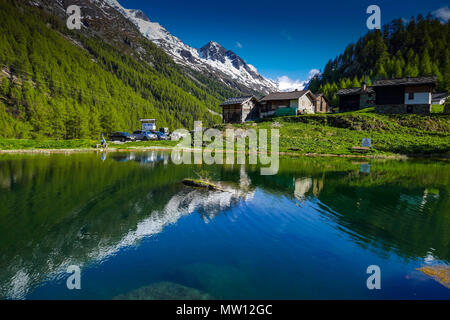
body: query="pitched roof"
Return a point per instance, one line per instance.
(317, 95)
(439, 96)
(406, 81)
(354, 91)
(285, 95)
(238, 100)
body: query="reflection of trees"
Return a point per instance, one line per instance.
(412, 222)
(399, 206)
(63, 210)
(57, 211)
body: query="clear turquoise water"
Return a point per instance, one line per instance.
(310, 232)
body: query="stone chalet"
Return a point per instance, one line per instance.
(238, 110)
(298, 101)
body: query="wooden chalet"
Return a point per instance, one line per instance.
(351, 99)
(238, 110)
(321, 103)
(405, 95)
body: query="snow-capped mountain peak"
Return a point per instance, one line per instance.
(212, 58)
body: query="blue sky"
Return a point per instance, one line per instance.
(280, 38)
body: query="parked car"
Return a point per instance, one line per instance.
(121, 136)
(164, 130)
(161, 136)
(144, 135)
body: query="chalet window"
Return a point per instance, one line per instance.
(411, 96)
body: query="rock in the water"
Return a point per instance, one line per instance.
(440, 273)
(165, 291)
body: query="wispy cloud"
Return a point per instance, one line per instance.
(287, 84)
(238, 45)
(443, 13)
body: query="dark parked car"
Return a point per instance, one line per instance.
(161, 136)
(144, 135)
(121, 136)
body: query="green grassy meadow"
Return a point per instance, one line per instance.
(334, 134)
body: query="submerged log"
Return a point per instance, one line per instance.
(200, 184)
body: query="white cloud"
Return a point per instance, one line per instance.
(443, 13)
(287, 84)
(238, 45)
(313, 72)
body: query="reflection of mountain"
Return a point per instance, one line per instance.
(58, 211)
(185, 202)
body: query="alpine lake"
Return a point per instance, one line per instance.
(137, 232)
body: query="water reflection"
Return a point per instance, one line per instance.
(81, 209)
(142, 158)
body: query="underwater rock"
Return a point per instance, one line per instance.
(224, 281)
(440, 273)
(165, 291)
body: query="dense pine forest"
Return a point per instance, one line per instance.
(419, 47)
(65, 85)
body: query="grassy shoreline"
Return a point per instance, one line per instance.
(445, 157)
(393, 136)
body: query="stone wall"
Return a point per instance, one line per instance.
(404, 109)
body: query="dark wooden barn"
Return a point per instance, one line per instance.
(238, 110)
(405, 95)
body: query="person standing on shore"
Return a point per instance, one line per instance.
(103, 141)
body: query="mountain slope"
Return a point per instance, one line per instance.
(211, 59)
(61, 84)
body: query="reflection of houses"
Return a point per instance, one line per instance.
(304, 185)
(238, 110)
(142, 158)
(405, 95)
